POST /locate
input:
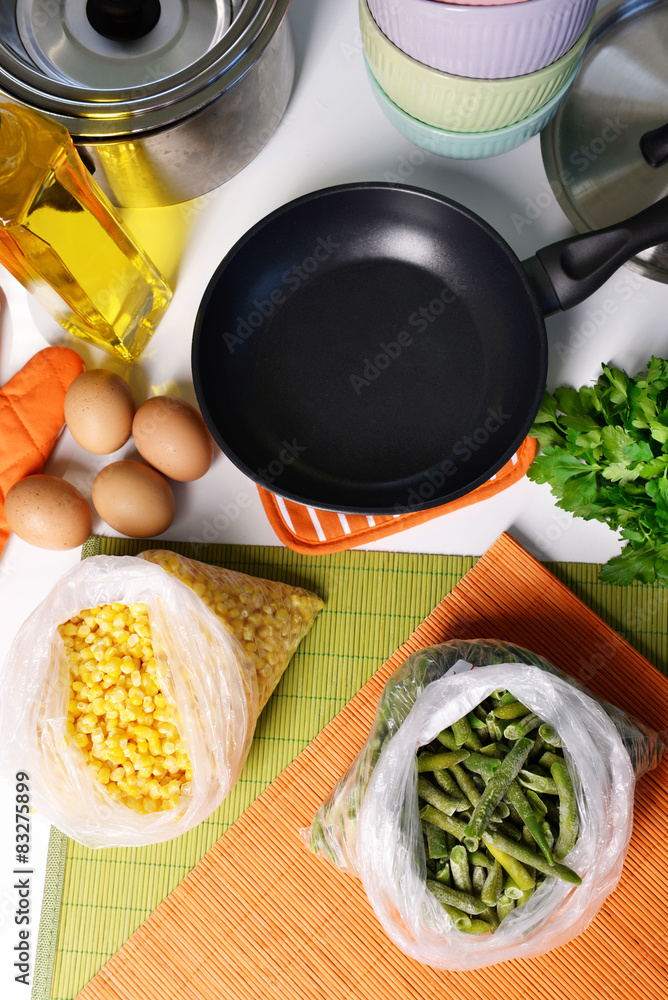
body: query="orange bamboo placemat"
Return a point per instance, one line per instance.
(260, 918)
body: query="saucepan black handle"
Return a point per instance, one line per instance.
(654, 146)
(565, 273)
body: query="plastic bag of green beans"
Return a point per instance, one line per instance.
(371, 827)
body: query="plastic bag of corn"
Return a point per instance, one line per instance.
(269, 619)
(130, 704)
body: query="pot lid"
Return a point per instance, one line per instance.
(598, 149)
(109, 46)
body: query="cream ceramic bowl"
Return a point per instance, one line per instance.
(459, 103)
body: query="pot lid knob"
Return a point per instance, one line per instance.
(123, 20)
(654, 146)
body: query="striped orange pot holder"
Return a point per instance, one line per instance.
(318, 532)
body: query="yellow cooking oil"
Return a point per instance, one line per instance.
(65, 242)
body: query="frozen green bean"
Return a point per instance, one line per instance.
(447, 738)
(513, 867)
(493, 727)
(511, 710)
(459, 866)
(461, 921)
(503, 697)
(478, 876)
(480, 859)
(511, 889)
(448, 823)
(549, 735)
(482, 765)
(548, 834)
(447, 783)
(537, 804)
(497, 786)
(439, 761)
(537, 782)
(516, 796)
(568, 811)
(437, 846)
(435, 797)
(504, 907)
(466, 783)
(461, 730)
(478, 927)
(528, 857)
(464, 901)
(493, 885)
(549, 758)
(522, 727)
(443, 873)
(538, 746)
(475, 722)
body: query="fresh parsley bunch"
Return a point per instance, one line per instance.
(605, 456)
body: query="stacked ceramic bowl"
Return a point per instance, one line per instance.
(473, 78)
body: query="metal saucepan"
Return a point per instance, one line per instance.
(166, 99)
(377, 348)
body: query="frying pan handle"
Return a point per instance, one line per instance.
(565, 273)
(654, 146)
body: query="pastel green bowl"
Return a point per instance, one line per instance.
(469, 145)
(461, 103)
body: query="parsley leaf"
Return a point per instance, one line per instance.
(605, 457)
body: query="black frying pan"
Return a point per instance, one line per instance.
(377, 348)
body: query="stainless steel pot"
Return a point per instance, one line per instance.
(165, 116)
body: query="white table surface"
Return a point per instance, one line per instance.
(333, 132)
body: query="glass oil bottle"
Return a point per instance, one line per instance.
(65, 242)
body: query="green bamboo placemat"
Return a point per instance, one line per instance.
(94, 900)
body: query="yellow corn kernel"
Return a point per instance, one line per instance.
(144, 732)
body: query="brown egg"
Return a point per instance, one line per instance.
(48, 512)
(134, 499)
(172, 436)
(98, 411)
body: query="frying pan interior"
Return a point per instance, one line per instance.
(369, 348)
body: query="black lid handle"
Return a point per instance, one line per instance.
(654, 146)
(565, 273)
(123, 20)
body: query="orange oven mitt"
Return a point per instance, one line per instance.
(32, 416)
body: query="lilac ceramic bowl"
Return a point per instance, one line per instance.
(486, 42)
(483, 3)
